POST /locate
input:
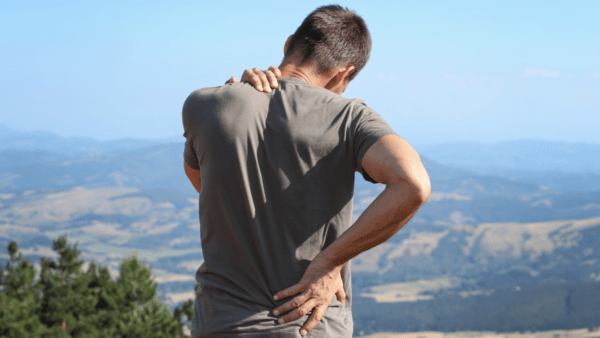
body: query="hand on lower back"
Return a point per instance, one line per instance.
(321, 281)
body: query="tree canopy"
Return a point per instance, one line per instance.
(65, 301)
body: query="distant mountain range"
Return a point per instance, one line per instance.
(559, 165)
(484, 228)
(524, 156)
(565, 166)
(11, 139)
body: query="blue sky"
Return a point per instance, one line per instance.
(483, 71)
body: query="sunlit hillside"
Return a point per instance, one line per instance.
(579, 333)
(485, 253)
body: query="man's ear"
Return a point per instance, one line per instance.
(340, 79)
(346, 74)
(287, 43)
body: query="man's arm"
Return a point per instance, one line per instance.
(393, 162)
(193, 175)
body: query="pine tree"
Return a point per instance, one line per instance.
(20, 298)
(67, 302)
(66, 297)
(136, 280)
(144, 316)
(108, 302)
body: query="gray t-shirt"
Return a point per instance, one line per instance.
(277, 173)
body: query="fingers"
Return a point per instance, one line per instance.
(251, 77)
(231, 80)
(292, 290)
(275, 71)
(341, 296)
(300, 312)
(272, 79)
(314, 319)
(263, 79)
(292, 304)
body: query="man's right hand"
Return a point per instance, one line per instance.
(321, 281)
(261, 80)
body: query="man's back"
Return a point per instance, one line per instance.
(277, 176)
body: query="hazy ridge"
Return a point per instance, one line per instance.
(484, 237)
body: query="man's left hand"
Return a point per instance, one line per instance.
(261, 80)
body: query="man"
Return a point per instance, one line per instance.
(275, 173)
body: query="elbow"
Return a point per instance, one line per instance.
(424, 190)
(419, 195)
(415, 190)
(422, 185)
(411, 194)
(414, 184)
(420, 189)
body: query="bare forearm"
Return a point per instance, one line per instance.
(391, 210)
(194, 176)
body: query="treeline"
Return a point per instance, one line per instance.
(64, 301)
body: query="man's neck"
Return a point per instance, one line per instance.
(306, 74)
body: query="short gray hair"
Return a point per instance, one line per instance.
(330, 37)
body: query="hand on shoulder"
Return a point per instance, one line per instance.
(263, 81)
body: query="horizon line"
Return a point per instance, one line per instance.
(167, 139)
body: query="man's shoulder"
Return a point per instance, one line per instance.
(227, 90)
(241, 92)
(200, 92)
(228, 93)
(354, 106)
(356, 103)
(197, 96)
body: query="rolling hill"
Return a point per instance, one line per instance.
(479, 236)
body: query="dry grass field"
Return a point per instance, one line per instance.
(579, 333)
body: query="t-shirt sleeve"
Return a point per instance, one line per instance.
(189, 153)
(368, 128)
